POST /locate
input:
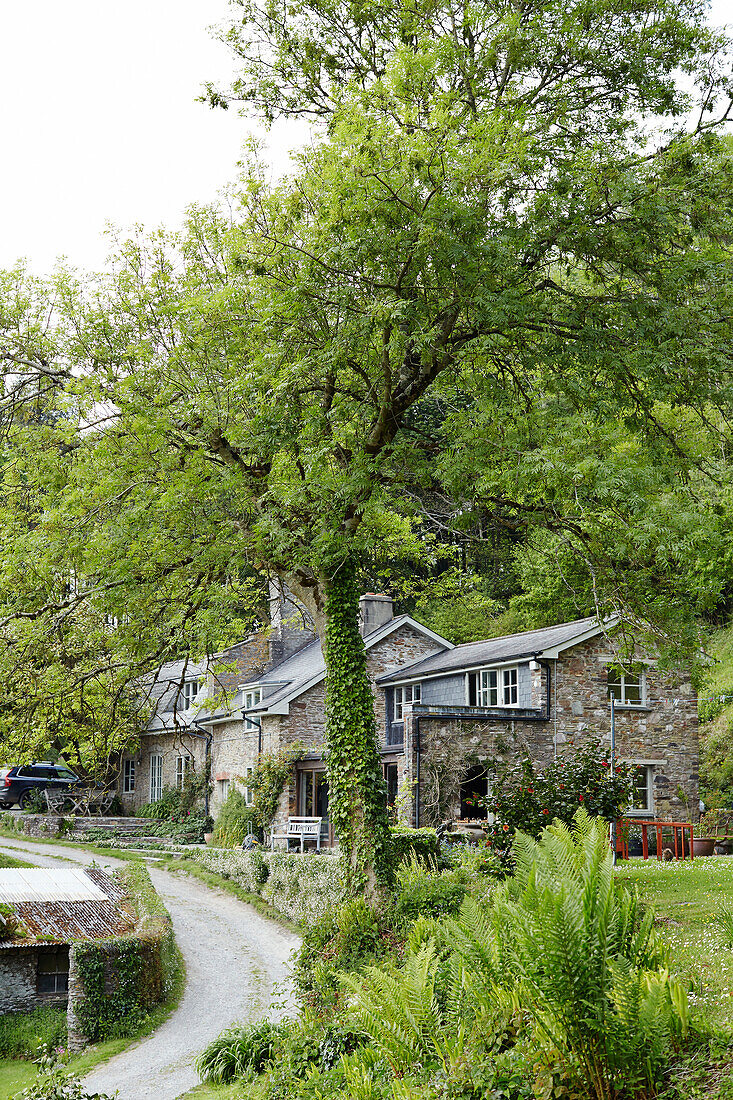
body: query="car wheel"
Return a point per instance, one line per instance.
(5, 805)
(25, 799)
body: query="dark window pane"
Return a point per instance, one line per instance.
(632, 685)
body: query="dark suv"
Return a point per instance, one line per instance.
(18, 784)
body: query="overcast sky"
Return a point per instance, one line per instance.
(98, 121)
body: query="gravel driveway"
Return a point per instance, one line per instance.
(235, 961)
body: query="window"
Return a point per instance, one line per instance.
(312, 793)
(391, 778)
(488, 695)
(52, 971)
(252, 699)
(156, 777)
(223, 785)
(642, 798)
(183, 766)
(493, 687)
(248, 792)
(475, 786)
(509, 687)
(405, 695)
(626, 687)
(128, 777)
(188, 693)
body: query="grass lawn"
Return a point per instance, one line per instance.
(685, 897)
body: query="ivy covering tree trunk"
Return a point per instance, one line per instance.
(357, 791)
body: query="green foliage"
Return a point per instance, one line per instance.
(55, 1083)
(22, 1034)
(406, 842)
(236, 819)
(236, 1052)
(421, 892)
(356, 788)
(165, 808)
(724, 920)
(124, 978)
(523, 797)
(10, 925)
(271, 773)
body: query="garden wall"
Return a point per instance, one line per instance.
(301, 887)
(113, 984)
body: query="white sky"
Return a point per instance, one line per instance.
(98, 121)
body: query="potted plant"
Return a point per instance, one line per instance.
(706, 834)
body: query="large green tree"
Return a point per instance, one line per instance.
(509, 216)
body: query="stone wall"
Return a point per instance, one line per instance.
(662, 734)
(170, 746)
(18, 981)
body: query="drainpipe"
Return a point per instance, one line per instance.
(417, 773)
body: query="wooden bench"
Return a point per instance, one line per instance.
(299, 829)
(79, 800)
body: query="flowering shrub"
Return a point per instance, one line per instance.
(528, 799)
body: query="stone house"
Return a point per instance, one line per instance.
(55, 908)
(444, 713)
(547, 690)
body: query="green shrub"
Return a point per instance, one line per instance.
(53, 1082)
(236, 819)
(237, 1052)
(164, 808)
(422, 892)
(422, 843)
(23, 1034)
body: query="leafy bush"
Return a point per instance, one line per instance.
(23, 1034)
(236, 1052)
(55, 1083)
(422, 843)
(421, 892)
(529, 800)
(236, 819)
(165, 808)
(271, 772)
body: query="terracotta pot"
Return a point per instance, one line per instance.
(703, 845)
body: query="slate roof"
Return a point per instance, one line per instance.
(63, 906)
(530, 643)
(306, 667)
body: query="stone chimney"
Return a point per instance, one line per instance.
(374, 611)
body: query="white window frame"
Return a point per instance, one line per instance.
(636, 811)
(510, 686)
(184, 763)
(487, 687)
(249, 795)
(223, 785)
(156, 776)
(405, 696)
(189, 691)
(495, 686)
(128, 776)
(252, 699)
(623, 701)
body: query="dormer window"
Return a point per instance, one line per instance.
(252, 699)
(626, 687)
(189, 691)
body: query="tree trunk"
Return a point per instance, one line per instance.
(357, 792)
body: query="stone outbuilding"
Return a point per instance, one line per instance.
(54, 909)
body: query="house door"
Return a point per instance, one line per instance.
(313, 796)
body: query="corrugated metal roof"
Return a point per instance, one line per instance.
(42, 884)
(61, 906)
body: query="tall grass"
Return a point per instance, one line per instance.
(22, 1034)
